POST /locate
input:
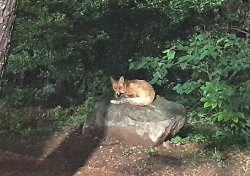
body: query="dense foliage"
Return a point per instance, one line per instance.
(216, 68)
(64, 51)
(212, 65)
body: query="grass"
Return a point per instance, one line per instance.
(27, 121)
(126, 152)
(152, 152)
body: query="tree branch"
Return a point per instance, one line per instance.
(239, 30)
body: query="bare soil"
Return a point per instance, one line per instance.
(73, 154)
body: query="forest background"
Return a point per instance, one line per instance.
(63, 53)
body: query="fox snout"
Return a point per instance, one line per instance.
(117, 94)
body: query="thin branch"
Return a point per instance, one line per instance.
(204, 70)
(233, 74)
(208, 74)
(239, 30)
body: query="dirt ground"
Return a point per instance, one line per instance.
(73, 154)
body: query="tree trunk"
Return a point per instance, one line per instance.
(7, 17)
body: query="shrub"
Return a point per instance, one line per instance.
(216, 71)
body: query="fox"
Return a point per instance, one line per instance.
(136, 92)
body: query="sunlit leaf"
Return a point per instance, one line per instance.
(171, 54)
(207, 104)
(183, 65)
(235, 119)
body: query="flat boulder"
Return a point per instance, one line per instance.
(134, 125)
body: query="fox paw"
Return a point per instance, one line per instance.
(113, 101)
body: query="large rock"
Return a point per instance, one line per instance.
(133, 125)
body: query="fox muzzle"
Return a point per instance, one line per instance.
(117, 94)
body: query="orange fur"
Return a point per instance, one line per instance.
(136, 92)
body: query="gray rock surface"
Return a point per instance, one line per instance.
(134, 125)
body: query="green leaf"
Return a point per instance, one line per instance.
(219, 104)
(154, 65)
(214, 104)
(248, 123)
(183, 65)
(207, 104)
(178, 89)
(241, 115)
(226, 117)
(220, 40)
(165, 51)
(200, 37)
(235, 119)
(171, 54)
(131, 66)
(203, 99)
(220, 117)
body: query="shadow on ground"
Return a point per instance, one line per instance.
(60, 154)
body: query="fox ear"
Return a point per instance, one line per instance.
(112, 80)
(121, 80)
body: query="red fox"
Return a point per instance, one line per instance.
(136, 92)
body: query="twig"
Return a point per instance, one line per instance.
(204, 70)
(240, 31)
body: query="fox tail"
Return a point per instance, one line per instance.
(134, 101)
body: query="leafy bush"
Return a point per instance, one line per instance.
(152, 152)
(39, 121)
(67, 118)
(216, 70)
(177, 140)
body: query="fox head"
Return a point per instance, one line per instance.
(118, 86)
